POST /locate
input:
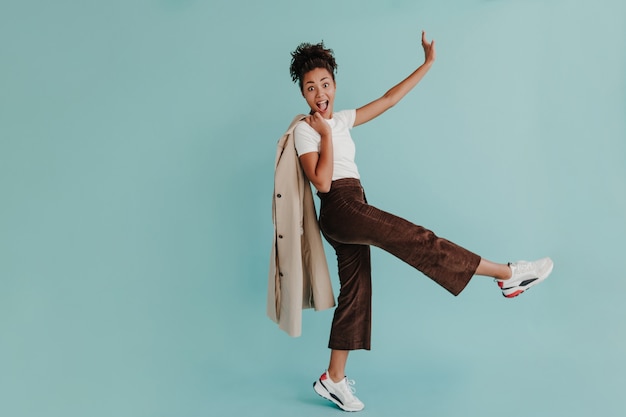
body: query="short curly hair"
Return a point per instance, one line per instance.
(307, 57)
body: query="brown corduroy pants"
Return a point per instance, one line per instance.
(351, 225)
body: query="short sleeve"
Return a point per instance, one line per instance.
(306, 139)
(350, 117)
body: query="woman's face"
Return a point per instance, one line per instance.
(318, 89)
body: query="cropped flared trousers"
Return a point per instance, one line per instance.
(351, 225)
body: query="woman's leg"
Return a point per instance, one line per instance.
(493, 270)
(337, 365)
(352, 319)
(445, 262)
(347, 218)
(351, 328)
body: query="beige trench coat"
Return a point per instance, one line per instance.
(298, 273)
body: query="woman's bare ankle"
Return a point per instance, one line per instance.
(335, 376)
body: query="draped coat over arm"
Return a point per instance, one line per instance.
(298, 273)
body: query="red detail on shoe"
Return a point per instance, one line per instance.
(324, 377)
(500, 284)
(515, 294)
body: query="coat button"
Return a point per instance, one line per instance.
(280, 236)
(278, 195)
(280, 274)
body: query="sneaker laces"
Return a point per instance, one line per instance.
(347, 386)
(523, 267)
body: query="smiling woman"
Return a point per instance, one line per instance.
(326, 153)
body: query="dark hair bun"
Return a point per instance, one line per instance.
(307, 57)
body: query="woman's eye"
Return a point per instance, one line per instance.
(311, 88)
(326, 85)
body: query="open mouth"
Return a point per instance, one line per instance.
(322, 106)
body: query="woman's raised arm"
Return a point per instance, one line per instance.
(395, 94)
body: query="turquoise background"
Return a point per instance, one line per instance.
(137, 142)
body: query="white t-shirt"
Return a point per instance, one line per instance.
(307, 140)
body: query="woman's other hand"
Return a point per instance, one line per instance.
(317, 122)
(429, 49)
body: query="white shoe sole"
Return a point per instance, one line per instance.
(323, 392)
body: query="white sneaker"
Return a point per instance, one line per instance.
(525, 275)
(341, 393)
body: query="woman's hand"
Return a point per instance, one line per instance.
(318, 166)
(317, 122)
(429, 49)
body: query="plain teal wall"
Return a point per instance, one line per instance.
(137, 141)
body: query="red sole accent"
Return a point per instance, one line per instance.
(515, 294)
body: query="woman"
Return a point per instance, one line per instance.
(326, 152)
